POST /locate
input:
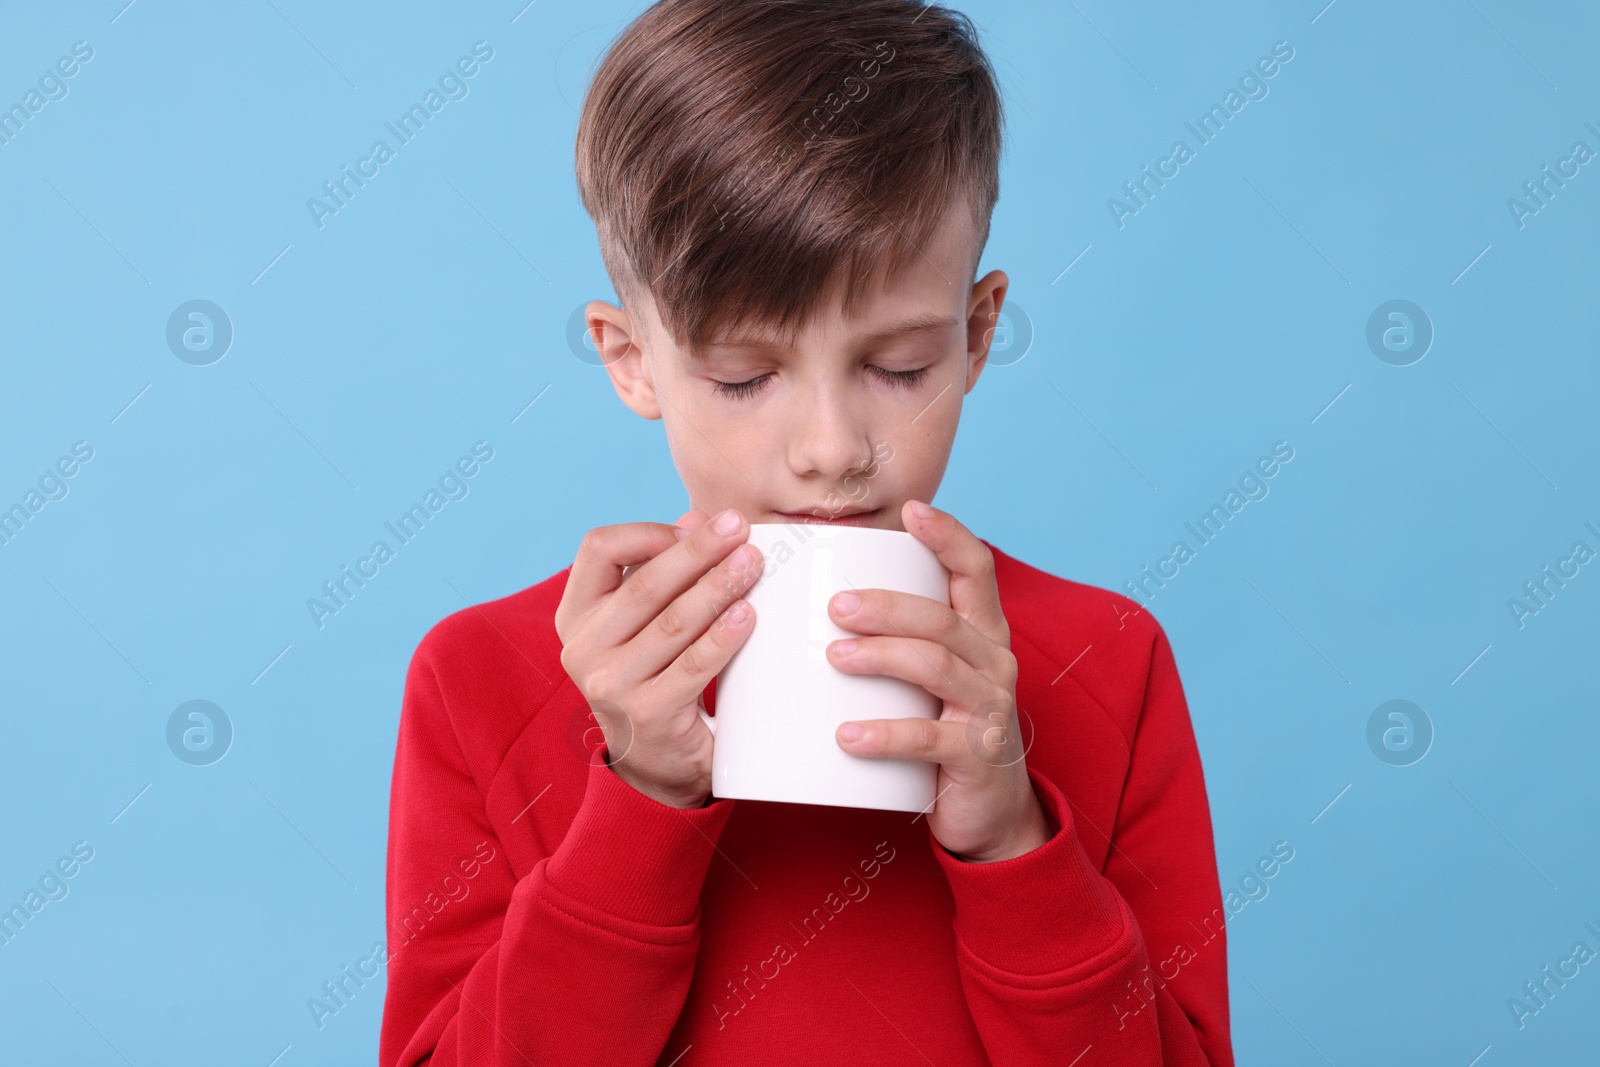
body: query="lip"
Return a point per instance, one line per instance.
(843, 518)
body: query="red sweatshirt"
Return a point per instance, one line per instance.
(543, 912)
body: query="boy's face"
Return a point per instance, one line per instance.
(847, 423)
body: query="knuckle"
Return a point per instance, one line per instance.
(597, 684)
(1008, 667)
(692, 661)
(949, 625)
(642, 591)
(575, 655)
(670, 621)
(593, 542)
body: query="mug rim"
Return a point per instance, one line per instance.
(834, 526)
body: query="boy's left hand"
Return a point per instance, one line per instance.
(985, 809)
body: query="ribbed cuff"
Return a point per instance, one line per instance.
(1039, 912)
(634, 857)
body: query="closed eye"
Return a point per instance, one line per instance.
(741, 390)
(905, 379)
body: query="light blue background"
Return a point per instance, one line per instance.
(1225, 316)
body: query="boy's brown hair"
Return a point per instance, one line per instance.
(741, 158)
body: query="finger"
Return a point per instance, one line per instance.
(889, 611)
(925, 663)
(687, 617)
(656, 583)
(914, 738)
(693, 669)
(974, 593)
(690, 521)
(603, 556)
(682, 527)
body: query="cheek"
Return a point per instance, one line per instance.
(912, 459)
(717, 457)
(693, 441)
(923, 449)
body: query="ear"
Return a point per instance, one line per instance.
(617, 340)
(983, 318)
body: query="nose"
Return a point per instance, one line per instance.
(830, 438)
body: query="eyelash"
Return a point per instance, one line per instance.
(906, 379)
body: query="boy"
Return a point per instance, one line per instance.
(791, 198)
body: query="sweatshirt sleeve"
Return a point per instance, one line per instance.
(1125, 965)
(586, 958)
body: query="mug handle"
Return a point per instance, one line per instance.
(711, 724)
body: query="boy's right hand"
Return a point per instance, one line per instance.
(639, 648)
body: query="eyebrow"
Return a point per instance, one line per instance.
(921, 323)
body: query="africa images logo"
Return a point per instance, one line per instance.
(452, 85)
(1205, 129)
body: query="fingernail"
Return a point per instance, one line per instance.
(680, 533)
(738, 610)
(844, 647)
(845, 603)
(920, 510)
(850, 731)
(740, 560)
(727, 522)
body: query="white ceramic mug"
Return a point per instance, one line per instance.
(779, 699)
